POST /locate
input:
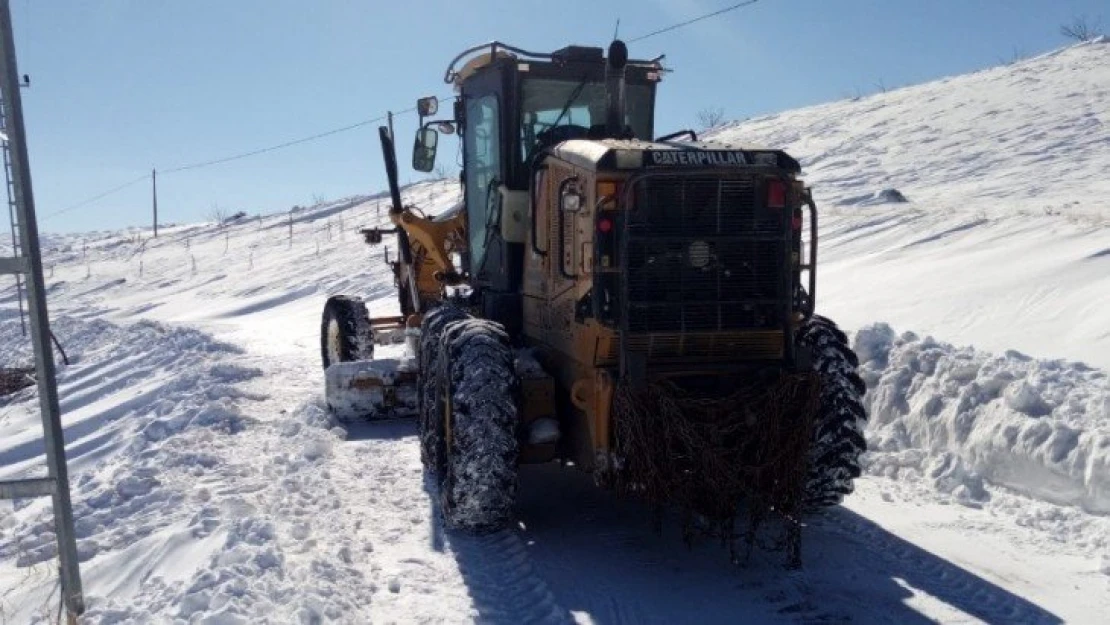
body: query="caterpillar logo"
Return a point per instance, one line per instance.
(714, 158)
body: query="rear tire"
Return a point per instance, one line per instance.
(838, 430)
(478, 476)
(431, 331)
(345, 333)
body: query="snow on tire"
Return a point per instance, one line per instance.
(838, 439)
(345, 332)
(431, 330)
(478, 479)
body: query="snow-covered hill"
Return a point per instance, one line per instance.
(1005, 240)
(210, 485)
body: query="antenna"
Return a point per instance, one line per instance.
(617, 30)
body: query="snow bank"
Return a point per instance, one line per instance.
(149, 411)
(960, 417)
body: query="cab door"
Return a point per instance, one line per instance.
(483, 172)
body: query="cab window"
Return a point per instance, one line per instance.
(548, 103)
(483, 167)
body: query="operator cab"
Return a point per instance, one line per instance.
(512, 106)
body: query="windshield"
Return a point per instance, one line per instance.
(580, 104)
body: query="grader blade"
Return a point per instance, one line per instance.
(384, 388)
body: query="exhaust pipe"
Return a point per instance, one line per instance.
(614, 89)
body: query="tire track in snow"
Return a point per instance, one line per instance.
(502, 581)
(601, 556)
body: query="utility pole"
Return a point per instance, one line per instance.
(154, 192)
(29, 263)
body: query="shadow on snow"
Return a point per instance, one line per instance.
(579, 550)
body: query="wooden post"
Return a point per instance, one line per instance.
(154, 194)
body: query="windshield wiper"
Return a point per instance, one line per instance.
(570, 102)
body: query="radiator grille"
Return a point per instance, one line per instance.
(709, 347)
(702, 254)
(702, 206)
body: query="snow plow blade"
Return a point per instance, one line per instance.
(371, 389)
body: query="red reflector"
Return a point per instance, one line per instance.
(776, 194)
(797, 223)
(605, 225)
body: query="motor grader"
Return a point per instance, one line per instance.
(641, 308)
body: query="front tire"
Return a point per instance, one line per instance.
(431, 332)
(345, 333)
(478, 402)
(838, 429)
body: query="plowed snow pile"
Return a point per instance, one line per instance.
(958, 417)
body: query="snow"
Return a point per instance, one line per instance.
(211, 485)
(1038, 427)
(1003, 240)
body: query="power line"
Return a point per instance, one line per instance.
(327, 133)
(321, 135)
(221, 160)
(98, 196)
(738, 5)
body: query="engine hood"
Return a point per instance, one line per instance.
(633, 154)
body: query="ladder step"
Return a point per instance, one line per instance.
(13, 265)
(22, 489)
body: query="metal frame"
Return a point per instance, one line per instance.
(13, 222)
(29, 264)
(495, 46)
(637, 370)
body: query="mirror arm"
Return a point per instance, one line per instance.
(432, 122)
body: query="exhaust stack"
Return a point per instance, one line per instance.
(614, 89)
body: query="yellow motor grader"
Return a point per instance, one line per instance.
(639, 307)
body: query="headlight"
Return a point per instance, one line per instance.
(571, 202)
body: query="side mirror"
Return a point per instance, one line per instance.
(424, 150)
(427, 106)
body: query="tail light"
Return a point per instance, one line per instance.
(776, 193)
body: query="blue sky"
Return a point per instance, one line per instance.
(120, 86)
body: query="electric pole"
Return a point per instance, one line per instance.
(154, 192)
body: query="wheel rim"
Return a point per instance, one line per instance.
(335, 351)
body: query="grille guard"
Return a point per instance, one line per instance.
(633, 364)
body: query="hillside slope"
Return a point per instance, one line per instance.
(1005, 240)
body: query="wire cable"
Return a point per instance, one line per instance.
(225, 159)
(653, 33)
(320, 135)
(96, 197)
(327, 133)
